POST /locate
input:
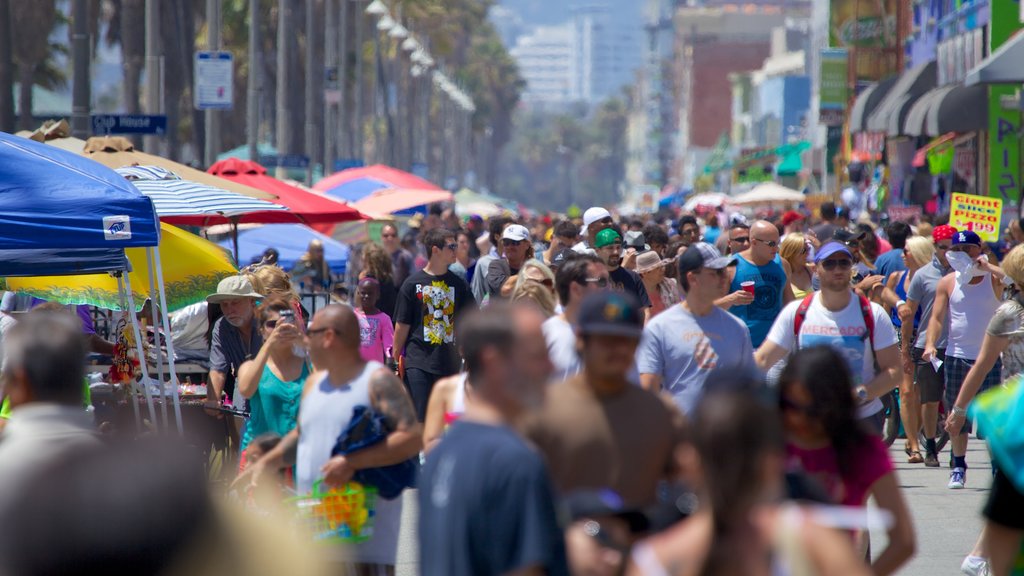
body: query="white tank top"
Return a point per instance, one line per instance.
(459, 402)
(324, 413)
(971, 306)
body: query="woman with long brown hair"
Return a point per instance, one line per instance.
(377, 264)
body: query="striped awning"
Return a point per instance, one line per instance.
(174, 197)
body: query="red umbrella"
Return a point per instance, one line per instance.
(303, 206)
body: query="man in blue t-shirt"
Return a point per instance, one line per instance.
(892, 261)
(770, 290)
(486, 505)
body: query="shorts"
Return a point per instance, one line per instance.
(929, 381)
(1005, 504)
(956, 373)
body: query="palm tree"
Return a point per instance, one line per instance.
(34, 21)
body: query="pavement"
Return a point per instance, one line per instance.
(947, 522)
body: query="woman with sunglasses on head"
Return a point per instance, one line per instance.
(825, 440)
(273, 380)
(794, 250)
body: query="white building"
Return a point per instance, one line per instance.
(545, 62)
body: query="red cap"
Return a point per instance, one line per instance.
(790, 217)
(944, 232)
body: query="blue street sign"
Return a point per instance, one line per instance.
(346, 163)
(285, 161)
(129, 124)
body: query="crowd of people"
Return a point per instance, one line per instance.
(675, 394)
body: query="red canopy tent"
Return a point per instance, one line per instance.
(303, 206)
(387, 175)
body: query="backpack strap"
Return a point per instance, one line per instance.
(798, 320)
(869, 320)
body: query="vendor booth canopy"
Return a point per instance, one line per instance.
(867, 102)
(892, 111)
(395, 200)
(1004, 66)
(191, 268)
(50, 198)
(291, 242)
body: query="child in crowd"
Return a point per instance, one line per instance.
(376, 332)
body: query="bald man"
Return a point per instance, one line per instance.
(342, 381)
(759, 264)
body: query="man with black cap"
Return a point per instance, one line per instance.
(970, 295)
(588, 429)
(235, 337)
(838, 317)
(685, 343)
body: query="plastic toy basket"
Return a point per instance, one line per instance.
(337, 515)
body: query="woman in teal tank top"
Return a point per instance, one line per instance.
(273, 380)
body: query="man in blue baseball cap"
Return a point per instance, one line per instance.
(970, 295)
(855, 327)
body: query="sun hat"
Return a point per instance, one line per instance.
(649, 260)
(233, 287)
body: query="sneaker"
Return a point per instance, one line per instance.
(974, 566)
(957, 478)
(931, 460)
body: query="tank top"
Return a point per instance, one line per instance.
(325, 412)
(769, 282)
(458, 401)
(970, 309)
(275, 405)
(901, 291)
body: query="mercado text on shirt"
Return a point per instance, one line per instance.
(812, 329)
(698, 336)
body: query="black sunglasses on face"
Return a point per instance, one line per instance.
(507, 242)
(768, 243)
(832, 264)
(600, 282)
(741, 240)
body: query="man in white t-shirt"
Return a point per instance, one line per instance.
(838, 317)
(576, 277)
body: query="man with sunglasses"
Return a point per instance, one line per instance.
(970, 297)
(684, 344)
(608, 244)
(739, 238)
(928, 381)
(578, 276)
(428, 303)
(759, 264)
(837, 316)
(515, 244)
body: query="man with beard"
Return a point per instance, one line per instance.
(608, 244)
(499, 517)
(235, 337)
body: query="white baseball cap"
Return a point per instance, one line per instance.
(516, 232)
(594, 214)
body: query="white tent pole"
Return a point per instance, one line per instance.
(156, 332)
(139, 349)
(170, 341)
(132, 384)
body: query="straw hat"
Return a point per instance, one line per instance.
(649, 260)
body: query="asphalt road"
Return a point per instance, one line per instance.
(947, 522)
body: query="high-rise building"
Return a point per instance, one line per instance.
(545, 62)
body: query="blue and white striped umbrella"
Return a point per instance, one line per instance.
(186, 202)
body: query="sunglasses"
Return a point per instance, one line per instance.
(843, 264)
(963, 247)
(600, 282)
(452, 247)
(270, 324)
(507, 242)
(741, 240)
(943, 246)
(768, 243)
(389, 235)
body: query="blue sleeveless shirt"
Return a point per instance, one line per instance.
(769, 282)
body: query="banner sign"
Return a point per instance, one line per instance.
(862, 23)
(904, 213)
(1003, 125)
(980, 214)
(834, 94)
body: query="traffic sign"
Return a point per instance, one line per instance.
(285, 161)
(129, 124)
(213, 80)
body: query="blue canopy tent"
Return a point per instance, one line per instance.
(63, 214)
(290, 241)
